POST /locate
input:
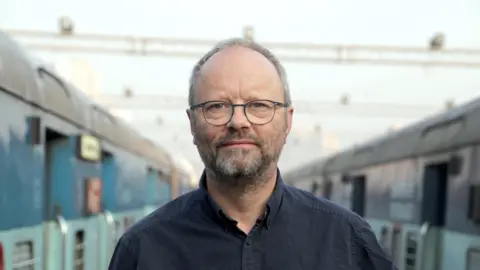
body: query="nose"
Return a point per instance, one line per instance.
(239, 119)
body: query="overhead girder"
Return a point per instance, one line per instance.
(287, 52)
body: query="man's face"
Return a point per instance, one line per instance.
(239, 148)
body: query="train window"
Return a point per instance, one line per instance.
(23, 257)
(42, 72)
(474, 209)
(473, 259)
(79, 255)
(410, 251)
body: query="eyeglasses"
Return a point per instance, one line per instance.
(257, 112)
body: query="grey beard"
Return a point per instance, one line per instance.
(241, 177)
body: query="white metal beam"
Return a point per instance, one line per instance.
(288, 52)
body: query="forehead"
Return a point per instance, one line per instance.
(238, 72)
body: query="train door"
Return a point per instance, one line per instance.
(396, 243)
(72, 186)
(166, 189)
(108, 226)
(327, 189)
(434, 196)
(58, 169)
(152, 190)
(88, 204)
(358, 198)
(391, 242)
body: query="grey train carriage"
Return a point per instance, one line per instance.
(72, 177)
(419, 189)
(309, 177)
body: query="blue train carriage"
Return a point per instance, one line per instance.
(309, 177)
(187, 180)
(160, 176)
(137, 177)
(419, 188)
(21, 162)
(72, 177)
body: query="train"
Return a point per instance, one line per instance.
(418, 187)
(73, 177)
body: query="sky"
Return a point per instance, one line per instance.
(373, 22)
(409, 22)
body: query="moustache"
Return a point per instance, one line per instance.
(236, 136)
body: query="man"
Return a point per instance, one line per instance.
(243, 216)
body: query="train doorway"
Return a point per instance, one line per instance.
(432, 217)
(57, 169)
(107, 224)
(358, 194)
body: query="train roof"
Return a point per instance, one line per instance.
(38, 84)
(313, 168)
(453, 129)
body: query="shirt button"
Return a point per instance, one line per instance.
(249, 242)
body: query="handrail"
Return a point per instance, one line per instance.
(423, 233)
(110, 223)
(62, 224)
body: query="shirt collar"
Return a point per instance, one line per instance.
(273, 203)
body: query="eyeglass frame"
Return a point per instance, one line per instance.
(276, 105)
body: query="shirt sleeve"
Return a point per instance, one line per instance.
(123, 257)
(369, 254)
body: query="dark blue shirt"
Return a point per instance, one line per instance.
(298, 232)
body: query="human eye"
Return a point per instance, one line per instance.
(260, 105)
(215, 107)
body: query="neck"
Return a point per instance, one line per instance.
(246, 204)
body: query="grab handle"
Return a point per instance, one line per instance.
(63, 226)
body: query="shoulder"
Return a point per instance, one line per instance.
(307, 203)
(329, 214)
(325, 210)
(169, 212)
(365, 250)
(153, 225)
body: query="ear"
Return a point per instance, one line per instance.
(289, 121)
(191, 119)
(290, 111)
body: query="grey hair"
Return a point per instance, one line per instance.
(241, 42)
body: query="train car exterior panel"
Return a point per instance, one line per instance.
(162, 187)
(131, 182)
(78, 246)
(158, 191)
(22, 247)
(125, 178)
(20, 167)
(451, 130)
(310, 178)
